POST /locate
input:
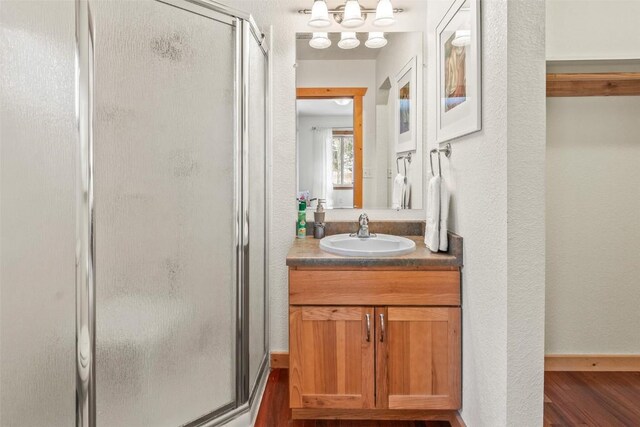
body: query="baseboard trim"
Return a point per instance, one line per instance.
(592, 362)
(279, 360)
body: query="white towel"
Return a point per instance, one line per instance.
(432, 236)
(444, 215)
(407, 196)
(397, 197)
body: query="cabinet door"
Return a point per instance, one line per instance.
(418, 357)
(331, 354)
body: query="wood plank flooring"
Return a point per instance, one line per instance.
(598, 399)
(275, 412)
(593, 399)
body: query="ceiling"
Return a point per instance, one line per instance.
(323, 107)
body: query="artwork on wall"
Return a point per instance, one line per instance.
(407, 107)
(458, 71)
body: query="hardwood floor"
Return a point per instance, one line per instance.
(602, 399)
(594, 399)
(275, 412)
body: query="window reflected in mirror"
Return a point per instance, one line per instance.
(343, 159)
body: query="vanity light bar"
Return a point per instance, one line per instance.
(308, 11)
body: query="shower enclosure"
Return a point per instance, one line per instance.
(170, 151)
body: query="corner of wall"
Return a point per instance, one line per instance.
(526, 212)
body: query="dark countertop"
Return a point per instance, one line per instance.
(307, 253)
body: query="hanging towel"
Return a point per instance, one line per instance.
(444, 215)
(432, 237)
(407, 196)
(398, 192)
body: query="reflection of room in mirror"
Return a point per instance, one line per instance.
(325, 150)
(327, 154)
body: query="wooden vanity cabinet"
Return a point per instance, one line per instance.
(372, 344)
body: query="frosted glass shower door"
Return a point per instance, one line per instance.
(257, 205)
(37, 221)
(165, 213)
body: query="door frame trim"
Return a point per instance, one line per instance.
(357, 94)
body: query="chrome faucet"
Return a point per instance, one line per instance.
(363, 230)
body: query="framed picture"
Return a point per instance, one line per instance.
(407, 107)
(458, 71)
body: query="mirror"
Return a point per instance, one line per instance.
(360, 122)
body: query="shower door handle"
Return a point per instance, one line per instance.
(245, 229)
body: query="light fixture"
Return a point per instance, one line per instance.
(352, 15)
(462, 38)
(342, 102)
(376, 40)
(320, 41)
(319, 15)
(348, 40)
(384, 14)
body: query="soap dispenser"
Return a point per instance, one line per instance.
(318, 220)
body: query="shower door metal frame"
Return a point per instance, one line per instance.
(245, 27)
(85, 237)
(252, 32)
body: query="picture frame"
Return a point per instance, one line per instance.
(406, 107)
(459, 73)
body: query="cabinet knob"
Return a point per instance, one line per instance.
(381, 327)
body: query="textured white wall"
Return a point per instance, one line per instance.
(593, 225)
(526, 76)
(497, 183)
(593, 29)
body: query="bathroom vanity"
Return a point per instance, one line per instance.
(375, 337)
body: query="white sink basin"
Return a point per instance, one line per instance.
(382, 245)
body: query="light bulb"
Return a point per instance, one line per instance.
(352, 14)
(319, 15)
(348, 40)
(376, 40)
(384, 14)
(320, 41)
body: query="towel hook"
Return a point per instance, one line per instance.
(404, 159)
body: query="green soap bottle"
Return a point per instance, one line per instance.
(302, 219)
